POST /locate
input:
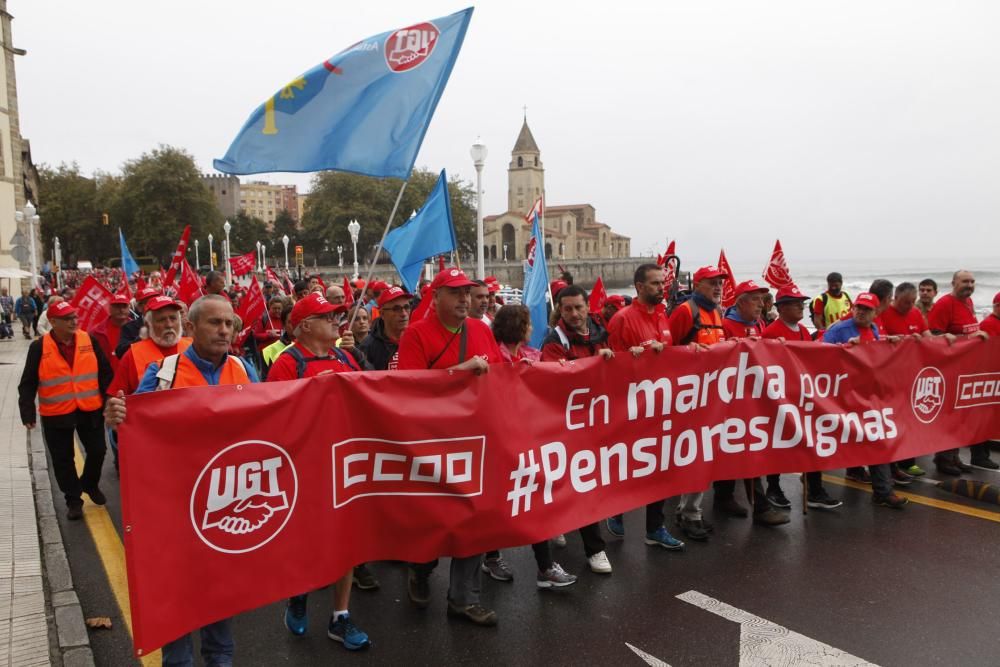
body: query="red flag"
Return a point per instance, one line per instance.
(776, 272)
(322, 284)
(538, 207)
(92, 303)
(670, 267)
(243, 264)
(273, 277)
(598, 296)
(179, 255)
(252, 307)
(124, 290)
(140, 284)
(348, 293)
(189, 289)
(729, 284)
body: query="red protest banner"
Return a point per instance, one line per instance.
(92, 302)
(178, 257)
(728, 284)
(776, 273)
(243, 264)
(221, 486)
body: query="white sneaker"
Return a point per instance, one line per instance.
(599, 563)
(559, 541)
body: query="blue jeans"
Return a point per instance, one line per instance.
(881, 479)
(216, 647)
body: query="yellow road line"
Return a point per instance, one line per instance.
(922, 500)
(112, 553)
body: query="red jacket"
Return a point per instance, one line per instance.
(636, 326)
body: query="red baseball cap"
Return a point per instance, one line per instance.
(314, 304)
(707, 272)
(378, 285)
(557, 285)
(867, 300)
(158, 302)
(391, 294)
(120, 300)
(61, 309)
(145, 293)
(789, 294)
(749, 287)
(451, 278)
(996, 298)
(617, 300)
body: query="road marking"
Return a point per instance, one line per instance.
(922, 500)
(650, 660)
(765, 644)
(112, 554)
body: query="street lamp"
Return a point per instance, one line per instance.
(197, 256)
(479, 153)
(229, 268)
(611, 251)
(263, 257)
(340, 256)
(354, 228)
(505, 252)
(211, 254)
(284, 239)
(57, 257)
(260, 266)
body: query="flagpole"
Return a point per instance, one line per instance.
(378, 251)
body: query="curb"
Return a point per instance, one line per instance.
(68, 640)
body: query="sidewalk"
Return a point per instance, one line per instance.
(33, 630)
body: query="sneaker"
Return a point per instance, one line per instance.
(296, 618)
(555, 577)
(559, 541)
(497, 569)
(74, 511)
(476, 613)
(599, 563)
(777, 498)
(859, 474)
(770, 517)
(97, 496)
(616, 526)
(364, 579)
(915, 471)
(662, 538)
(418, 587)
(892, 500)
(822, 500)
(900, 478)
(947, 467)
(693, 529)
(351, 636)
(731, 507)
(985, 462)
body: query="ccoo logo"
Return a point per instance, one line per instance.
(408, 48)
(244, 496)
(927, 395)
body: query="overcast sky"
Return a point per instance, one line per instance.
(842, 128)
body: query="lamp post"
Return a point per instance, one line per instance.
(284, 239)
(354, 228)
(211, 254)
(197, 256)
(57, 257)
(263, 257)
(229, 268)
(505, 253)
(611, 251)
(340, 256)
(479, 153)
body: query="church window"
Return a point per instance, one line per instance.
(577, 247)
(520, 190)
(520, 203)
(536, 160)
(520, 161)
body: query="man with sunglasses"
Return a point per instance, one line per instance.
(381, 345)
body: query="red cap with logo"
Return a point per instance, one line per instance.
(616, 300)
(314, 304)
(120, 300)
(61, 309)
(867, 300)
(378, 285)
(492, 284)
(749, 287)
(996, 298)
(789, 294)
(145, 293)
(391, 294)
(451, 278)
(707, 272)
(158, 302)
(556, 285)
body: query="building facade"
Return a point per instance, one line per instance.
(265, 201)
(226, 191)
(572, 231)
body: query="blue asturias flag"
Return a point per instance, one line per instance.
(129, 265)
(430, 232)
(536, 286)
(364, 110)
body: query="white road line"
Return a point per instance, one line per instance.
(650, 660)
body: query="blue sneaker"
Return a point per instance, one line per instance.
(616, 526)
(296, 619)
(661, 538)
(343, 631)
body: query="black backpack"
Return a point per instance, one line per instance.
(301, 361)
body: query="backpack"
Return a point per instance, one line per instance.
(301, 361)
(696, 324)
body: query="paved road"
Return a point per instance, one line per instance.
(916, 587)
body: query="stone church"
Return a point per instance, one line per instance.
(571, 231)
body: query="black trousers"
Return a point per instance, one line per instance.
(725, 488)
(654, 518)
(59, 440)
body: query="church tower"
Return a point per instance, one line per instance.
(525, 174)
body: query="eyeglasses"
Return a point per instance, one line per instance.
(398, 309)
(329, 317)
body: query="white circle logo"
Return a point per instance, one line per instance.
(927, 394)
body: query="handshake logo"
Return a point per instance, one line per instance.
(244, 496)
(927, 395)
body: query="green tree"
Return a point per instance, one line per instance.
(70, 208)
(284, 224)
(160, 193)
(246, 231)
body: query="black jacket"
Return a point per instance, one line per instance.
(378, 347)
(28, 388)
(129, 334)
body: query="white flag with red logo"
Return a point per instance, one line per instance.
(776, 273)
(537, 209)
(92, 303)
(669, 266)
(179, 254)
(243, 264)
(729, 284)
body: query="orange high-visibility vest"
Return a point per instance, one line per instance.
(707, 328)
(188, 375)
(61, 389)
(146, 352)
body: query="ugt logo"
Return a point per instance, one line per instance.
(927, 395)
(244, 496)
(408, 48)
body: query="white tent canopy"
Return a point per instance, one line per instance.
(14, 274)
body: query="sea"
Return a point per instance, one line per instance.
(859, 274)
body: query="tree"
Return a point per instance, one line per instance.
(284, 224)
(70, 207)
(246, 231)
(337, 198)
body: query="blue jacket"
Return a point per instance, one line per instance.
(844, 330)
(209, 371)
